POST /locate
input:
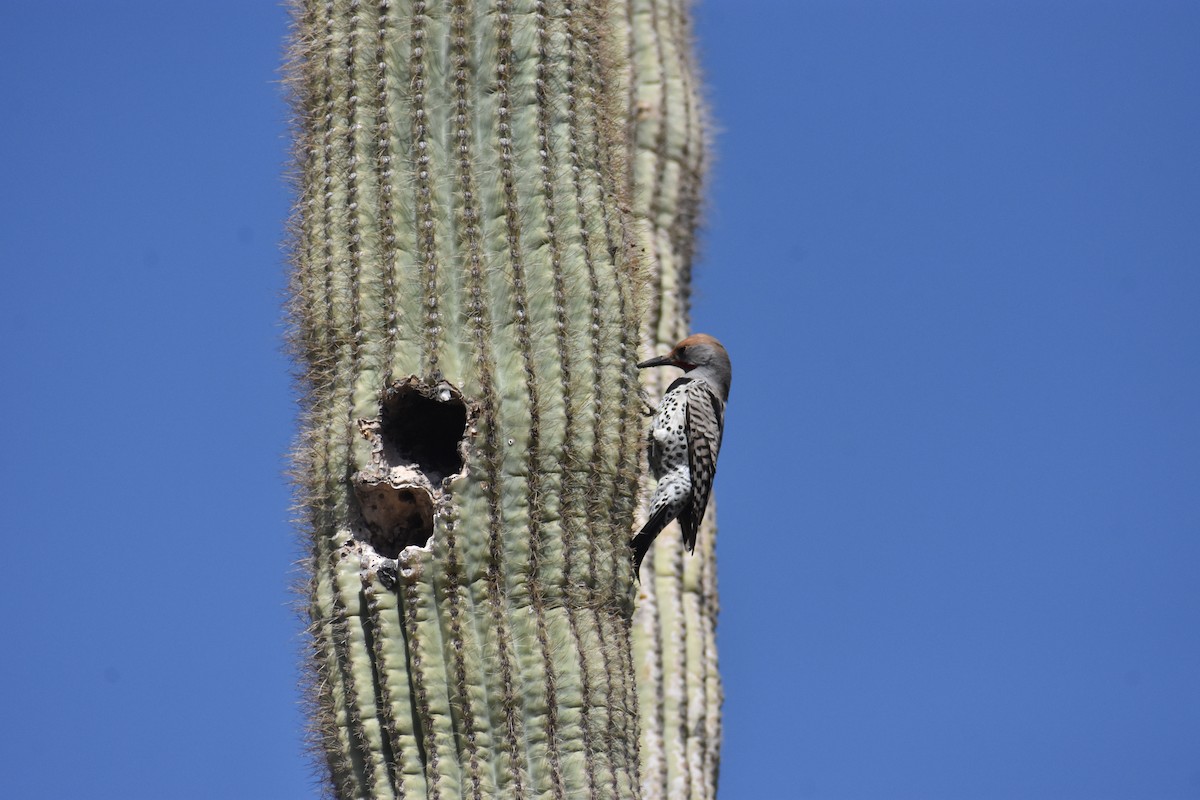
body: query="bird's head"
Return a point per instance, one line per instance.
(702, 353)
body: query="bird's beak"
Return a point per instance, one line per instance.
(657, 361)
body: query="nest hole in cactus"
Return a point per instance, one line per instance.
(423, 425)
(419, 444)
(397, 516)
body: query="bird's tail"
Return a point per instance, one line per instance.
(641, 543)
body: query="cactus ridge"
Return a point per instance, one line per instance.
(674, 648)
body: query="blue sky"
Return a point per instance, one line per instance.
(954, 250)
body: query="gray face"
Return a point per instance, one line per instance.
(703, 360)
(684, 355)
(701, 354)
(697, 355)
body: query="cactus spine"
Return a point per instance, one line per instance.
(466, 299)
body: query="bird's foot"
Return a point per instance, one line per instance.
(647, 409)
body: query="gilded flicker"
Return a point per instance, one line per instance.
(685, 437)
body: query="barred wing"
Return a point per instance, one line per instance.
(704, 412)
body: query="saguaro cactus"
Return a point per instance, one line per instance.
(466, 298)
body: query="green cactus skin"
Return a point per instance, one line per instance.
(469, 301)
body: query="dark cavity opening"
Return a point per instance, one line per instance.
(423, 430)
(396, 517)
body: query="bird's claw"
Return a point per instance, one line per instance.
(648, 410)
